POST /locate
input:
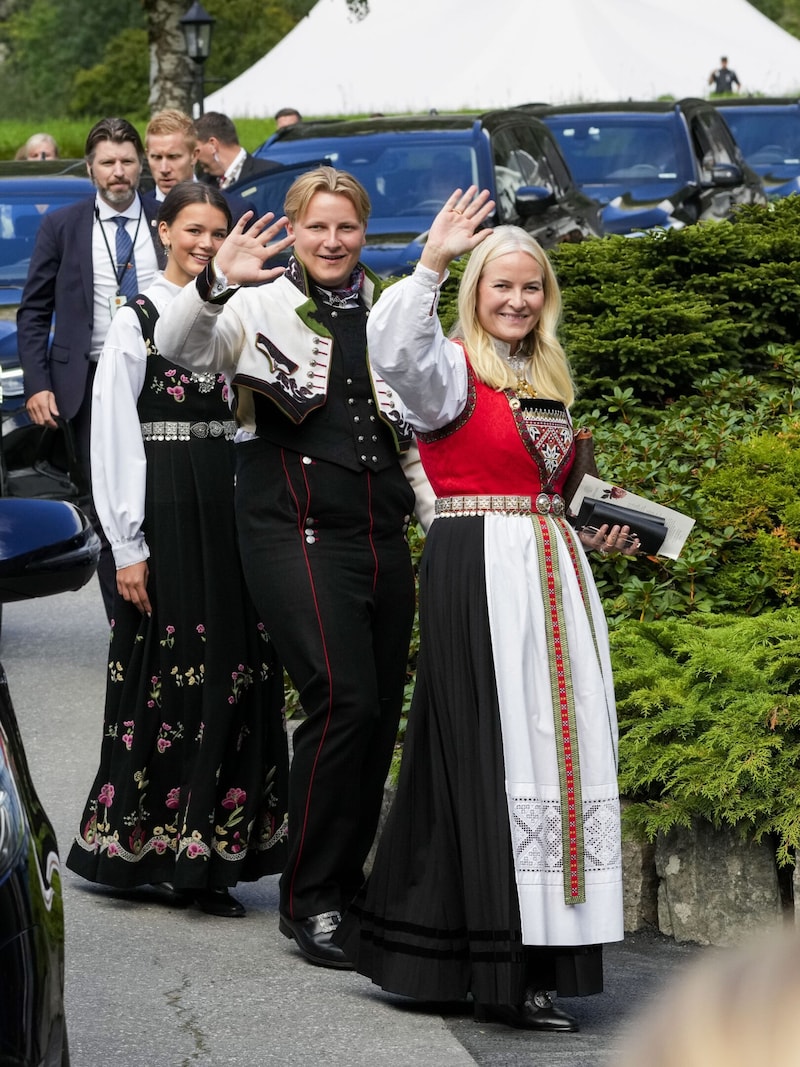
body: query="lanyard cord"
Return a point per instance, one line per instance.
(119, 272)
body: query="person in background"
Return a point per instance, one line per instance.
(735, 1007)
(287, 116)
(723, 79)
(498, 873)
(171, 145)
(221, 158)
(38, 146)
(88, 259)
(322, 507)
(190, 794)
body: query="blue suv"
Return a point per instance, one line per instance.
(767, 130)
(410, 166)
(659, 164)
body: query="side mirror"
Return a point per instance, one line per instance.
(726, 174)
(46, 547)
(533, 199)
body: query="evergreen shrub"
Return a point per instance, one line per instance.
(709, 713)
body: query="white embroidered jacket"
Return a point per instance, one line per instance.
(265, 339)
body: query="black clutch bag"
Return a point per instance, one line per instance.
(650, 529)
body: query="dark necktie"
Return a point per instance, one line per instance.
(126, 268)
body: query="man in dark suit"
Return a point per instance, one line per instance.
(222, 159)
(170, 141)
(85, 264)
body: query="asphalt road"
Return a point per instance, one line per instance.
(152, 986)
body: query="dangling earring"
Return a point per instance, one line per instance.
(167, 249)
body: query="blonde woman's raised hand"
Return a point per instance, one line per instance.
(457, 227)
(243, 253)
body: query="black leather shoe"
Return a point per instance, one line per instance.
(537, 1012)
(313, 937)
(166, 893)
(218, 902)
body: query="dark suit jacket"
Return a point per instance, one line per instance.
(237, 204)
(61, 282)
(251, 166)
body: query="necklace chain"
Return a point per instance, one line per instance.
(523, 387)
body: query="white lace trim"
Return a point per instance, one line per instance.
(537, 841)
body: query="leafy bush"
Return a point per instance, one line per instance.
(711, 455)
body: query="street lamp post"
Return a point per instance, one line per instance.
(197, 25)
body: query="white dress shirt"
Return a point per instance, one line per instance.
(104, 262)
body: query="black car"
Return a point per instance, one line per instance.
(767, 129)
(409, 166)
(46, 547)
(657, 164)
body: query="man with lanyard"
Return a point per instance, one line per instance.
(88, 260)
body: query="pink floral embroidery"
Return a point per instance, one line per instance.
(106, 795)
(173, 798)
(177, 391)
(234, 797)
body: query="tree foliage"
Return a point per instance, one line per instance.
(47, 43)
(67, 57)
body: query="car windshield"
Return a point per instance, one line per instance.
(766, 138)
(21, 215)
(602, 148)
(404, 174)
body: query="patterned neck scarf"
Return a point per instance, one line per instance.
(347, 296)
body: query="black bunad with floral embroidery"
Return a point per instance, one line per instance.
(192, 785)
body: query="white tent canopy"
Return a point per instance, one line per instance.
(413, 55)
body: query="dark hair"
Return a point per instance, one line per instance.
(116, 130)
(288, 112)
(215, 124)
(185, 193)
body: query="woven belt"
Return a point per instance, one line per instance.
(543, 504)
(184, 431)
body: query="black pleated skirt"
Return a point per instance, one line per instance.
(438, 918)
(192, 780)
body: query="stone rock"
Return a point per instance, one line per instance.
(639, 884)
(714, 888)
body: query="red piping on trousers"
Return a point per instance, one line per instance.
(301, 526)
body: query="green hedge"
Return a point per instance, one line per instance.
(709, 713)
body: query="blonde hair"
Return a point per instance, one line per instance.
(547, 368)
(171, 120)
(325, 180)
(734, 1008)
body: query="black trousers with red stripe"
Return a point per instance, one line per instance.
(328, 568)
